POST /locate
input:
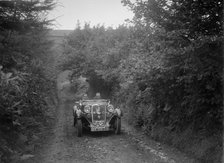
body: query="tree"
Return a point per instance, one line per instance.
(22, 47)
(20, 23)
(96, 53)
(185, 37)
(23, 16)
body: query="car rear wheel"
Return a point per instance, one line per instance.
(79, 127)
(118, 126)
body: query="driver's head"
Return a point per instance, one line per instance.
(98, 95)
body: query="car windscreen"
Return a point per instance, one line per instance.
(98, 101)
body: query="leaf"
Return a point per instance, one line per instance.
(8, 75)
(16, 123)
(26, 157)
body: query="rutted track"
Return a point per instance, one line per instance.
(99, 147)
(102, 147)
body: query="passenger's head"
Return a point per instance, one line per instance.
(85, 96)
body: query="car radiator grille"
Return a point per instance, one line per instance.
(98, 113)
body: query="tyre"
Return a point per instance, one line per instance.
(74, 122)
(118, 126)
(74, 118)
(79, 127)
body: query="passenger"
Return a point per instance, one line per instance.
(97, 96)
(85, 97)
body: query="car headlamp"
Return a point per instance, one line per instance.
(87, 109)
(110, 108)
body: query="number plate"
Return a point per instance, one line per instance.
(99, 128)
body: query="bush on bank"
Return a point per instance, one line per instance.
(23, 84)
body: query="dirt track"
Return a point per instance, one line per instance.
(99, 147)
(61, 144)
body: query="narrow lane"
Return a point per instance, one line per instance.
(100, 147)
(63, 146)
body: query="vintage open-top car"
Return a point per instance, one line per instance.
(96, 115)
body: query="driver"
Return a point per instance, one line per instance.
(97, 96)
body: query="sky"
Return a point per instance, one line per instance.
(104, 12)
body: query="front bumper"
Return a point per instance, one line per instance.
(97, 127)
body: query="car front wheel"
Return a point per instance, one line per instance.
(74, 121)
(118, 126)
(79, 127)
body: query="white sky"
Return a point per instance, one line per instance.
(103, 12)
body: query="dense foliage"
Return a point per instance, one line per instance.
(184, 38)
(96, 53)
(23, 49)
